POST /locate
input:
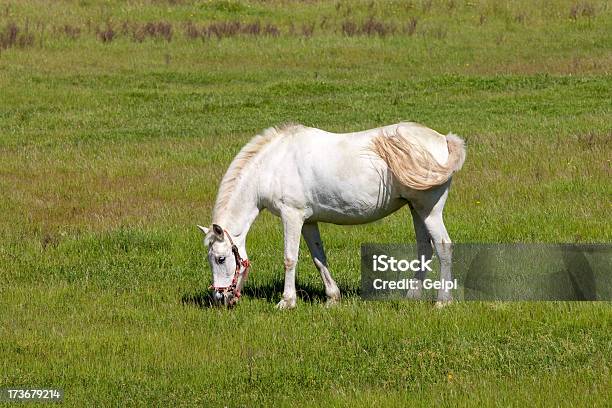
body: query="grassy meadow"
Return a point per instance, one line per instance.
(118, 120)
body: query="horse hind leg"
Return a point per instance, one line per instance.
(311, 235)
(430, 209)
(444, 249)
(424, 251)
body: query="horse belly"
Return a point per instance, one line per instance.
(346, 213)
(354, 193)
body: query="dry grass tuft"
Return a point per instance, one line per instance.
(584, 9)
(155, 30)
(228, 29)
(271, 30)
(14, 36)
(411, 26)
(308, 29)
(70, 31)
(160, 29)
(349, 28)
(192, 31)
(370, 27)
(107, 35)
(373, 27)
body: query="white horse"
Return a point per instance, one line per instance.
(306, 175)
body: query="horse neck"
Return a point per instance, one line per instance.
(238, 214)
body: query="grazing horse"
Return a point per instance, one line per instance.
(306, 175)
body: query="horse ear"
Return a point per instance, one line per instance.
(218, 231)
(203, 229)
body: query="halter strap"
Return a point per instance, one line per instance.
(240, 263)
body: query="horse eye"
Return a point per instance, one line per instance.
(220, 260)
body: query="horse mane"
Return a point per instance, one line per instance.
(243, 158)
(413, 165)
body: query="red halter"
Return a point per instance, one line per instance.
(240, 263)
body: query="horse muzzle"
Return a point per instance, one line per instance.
(227, 297)
(218, 296)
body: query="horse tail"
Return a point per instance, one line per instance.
(413, 165)
(456, 152)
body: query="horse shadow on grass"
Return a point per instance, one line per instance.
(271, 292)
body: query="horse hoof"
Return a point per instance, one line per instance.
(332, 302)
(285, 304)
(442, 304)
(413, 294)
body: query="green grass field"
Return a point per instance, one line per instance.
(118, 120)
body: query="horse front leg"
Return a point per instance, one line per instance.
(292, 226)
